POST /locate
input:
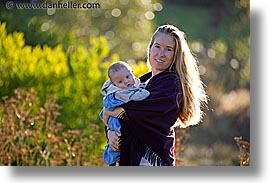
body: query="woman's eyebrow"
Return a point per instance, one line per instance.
(165, 46)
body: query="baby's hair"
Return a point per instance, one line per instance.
(117, 66)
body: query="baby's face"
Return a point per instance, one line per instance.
(123, 78)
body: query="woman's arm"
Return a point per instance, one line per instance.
(114, 139)
(160, 110)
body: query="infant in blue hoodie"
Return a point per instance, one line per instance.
(121, 87)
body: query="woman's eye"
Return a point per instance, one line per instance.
(170, 50)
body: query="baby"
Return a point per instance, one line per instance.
(121, 87)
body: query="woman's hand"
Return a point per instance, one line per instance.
(114, 139)
(114, 113)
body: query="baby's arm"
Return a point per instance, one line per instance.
(135, 94)
(140, 94)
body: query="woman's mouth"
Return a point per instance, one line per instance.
(159, 61)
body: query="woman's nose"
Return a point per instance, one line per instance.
(161, 52)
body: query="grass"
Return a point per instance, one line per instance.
(30, 135)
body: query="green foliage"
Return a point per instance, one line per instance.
(126, 24)
(23, 65)
(74, 79)
(30, 23)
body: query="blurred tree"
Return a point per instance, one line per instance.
(75, 77)
(126, 24)
(219, 34)
(228, 55)
(74, 54)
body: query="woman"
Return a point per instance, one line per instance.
(176, 95)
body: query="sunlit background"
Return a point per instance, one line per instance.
(53, 63)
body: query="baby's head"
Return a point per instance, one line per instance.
(121, 74)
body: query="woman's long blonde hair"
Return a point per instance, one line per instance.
(185, 65)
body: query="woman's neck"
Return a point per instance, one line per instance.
(155, 73)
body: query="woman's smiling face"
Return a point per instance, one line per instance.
(161, 53)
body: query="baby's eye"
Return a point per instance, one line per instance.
(120, 82)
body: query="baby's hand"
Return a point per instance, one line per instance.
(115, 113)
(106, 116)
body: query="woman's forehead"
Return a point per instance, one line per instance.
(165, 40)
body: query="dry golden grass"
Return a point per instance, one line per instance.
(30, 135)
(244, 149)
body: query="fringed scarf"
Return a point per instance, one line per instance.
(147, 131)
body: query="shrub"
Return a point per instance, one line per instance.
(244, 151)
(30, 135)
(72, 80)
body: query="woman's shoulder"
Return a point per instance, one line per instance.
(145, 77)
(165, 84)
(166, 75)
(164, 80)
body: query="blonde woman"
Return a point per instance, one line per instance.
(176, 97)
